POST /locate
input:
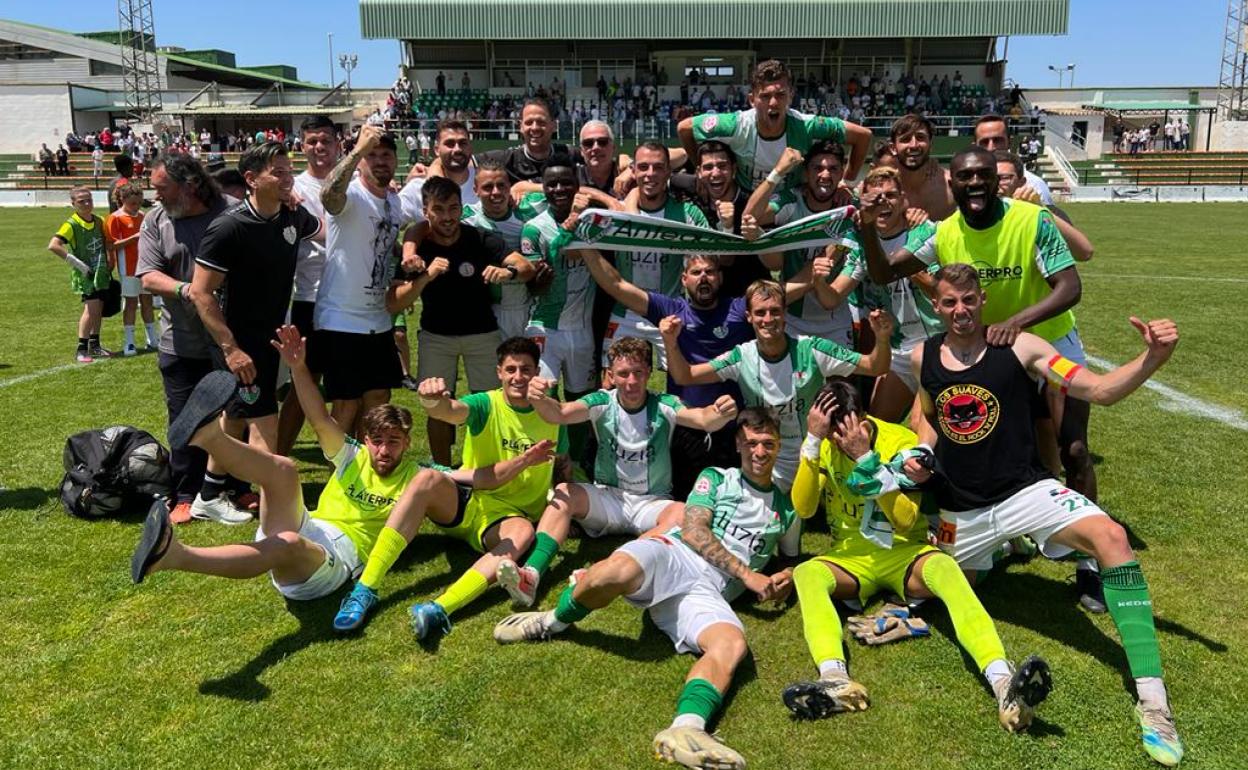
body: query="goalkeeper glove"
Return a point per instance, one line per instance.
(891, 624)
(78, 265)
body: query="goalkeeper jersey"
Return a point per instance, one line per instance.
(358, 500)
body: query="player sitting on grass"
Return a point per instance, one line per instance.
(502, 425)
(880, 542)
(633, 467)
(308, 555)
(733, 522)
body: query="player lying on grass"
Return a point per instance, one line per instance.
(633, 467)
(978, 401)
(734, 520)
(308, 554)
(497, 523)
(879, 542)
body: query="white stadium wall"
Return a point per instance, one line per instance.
(1230, 135)
(33, 114)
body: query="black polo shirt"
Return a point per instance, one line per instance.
(459, 301)
(257, 256)
(520, 167)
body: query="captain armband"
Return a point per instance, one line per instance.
(1061, 371)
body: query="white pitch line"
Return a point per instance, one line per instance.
(38, 374)
(1144, 277)
(1177, 401)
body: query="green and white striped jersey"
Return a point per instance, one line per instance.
(914, 317)
(756, 156)
(569, 301)
(787, 387)
(634, 448)
(650, 270)
(749, 520)
(812, 318)
(512, 295)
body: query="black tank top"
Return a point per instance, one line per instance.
(985, 420)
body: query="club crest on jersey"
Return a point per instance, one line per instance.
(249, 394)
(720, 332)
(589, 229)
(967, 413)
(290, 234)
(466, 269)
(526, 246)
(703, 486)
(709, 122)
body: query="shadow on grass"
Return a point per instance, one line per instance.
(25, 499)
(315, 626)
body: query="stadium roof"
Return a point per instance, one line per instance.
(1162, 105)
(705, 19)
(246, 111)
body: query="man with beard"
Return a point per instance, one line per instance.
(713, 188)
(538, 152)
(456, 320)
(249, 254)
(776, 371)
(1032, 282)
(759, 135)
(169, 242)
(825, 311)
(711, 326)
(454, 152)
(924, 182)
(354, 330)
(978, 407)
(319, 139)
(651, 270)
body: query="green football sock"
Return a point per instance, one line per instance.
(976, 633)
(544, 549)
(698, 702)
(569, 610)
(1131, 607)
(815, 582)
(470, 585)
(385, 551)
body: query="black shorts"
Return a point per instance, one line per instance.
(301, 313)
(260, 398)
(98, 294)
(353, 364)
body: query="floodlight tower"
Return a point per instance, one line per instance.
(140, 67)
(1233, 83)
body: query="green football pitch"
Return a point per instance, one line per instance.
(187, 671)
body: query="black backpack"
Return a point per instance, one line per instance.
(111, 469)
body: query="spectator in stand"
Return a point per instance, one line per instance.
(1185, 134)
(97, 162)
(106, 140)
(440, 80)
(81, 242)
(62, 160)
(122, 230)
(124, 165)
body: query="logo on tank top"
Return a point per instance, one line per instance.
(967, 413)
(988, 274)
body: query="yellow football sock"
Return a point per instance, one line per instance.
(470, 585)
(815, 581)
(976, 633)
(385, 551)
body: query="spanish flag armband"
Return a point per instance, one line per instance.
(1061, 371)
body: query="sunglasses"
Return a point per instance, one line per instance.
(600, 141)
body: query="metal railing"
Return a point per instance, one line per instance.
(1067, 171)
(1195, 177)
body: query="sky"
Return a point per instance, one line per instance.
(1153, 43)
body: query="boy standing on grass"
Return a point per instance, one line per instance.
(122, 228)
(81, 242)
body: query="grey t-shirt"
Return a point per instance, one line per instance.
(170, 246)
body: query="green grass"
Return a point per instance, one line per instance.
(187, 671)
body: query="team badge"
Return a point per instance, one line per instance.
(590, 228)
(526, 246)
(289, 233)
(709, 123)
(720, 332)
(466, 269)
(967, 413)
(249, 394)
(703, 486)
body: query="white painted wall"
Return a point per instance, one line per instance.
(32, 114)
(1230, 135)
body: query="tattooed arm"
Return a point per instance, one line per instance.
(696, 533)
(334, 191)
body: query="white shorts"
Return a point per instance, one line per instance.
(438, 355)
(612, 511)
(132, 286)
(903, 370)
(633, 325)
(566, 355)
(511, 321)
(1040, 510)
(681, 591)
(1071, 347)
(342, 562)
